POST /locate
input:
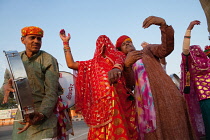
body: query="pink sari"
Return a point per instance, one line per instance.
(196, 59)
(144, 100)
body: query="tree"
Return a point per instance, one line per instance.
(10, 104)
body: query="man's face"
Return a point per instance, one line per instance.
(33, 43)
(127, 46)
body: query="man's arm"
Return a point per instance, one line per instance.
(167, 45)
(51, 88)
(129, 77)
(167, 37)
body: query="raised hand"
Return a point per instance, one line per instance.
(132, 57)
(63, 36)
(191, 25)
(153, 20)
(7, 89)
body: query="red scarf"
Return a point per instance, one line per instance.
(93, 92)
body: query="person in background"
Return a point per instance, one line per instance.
(195, 81)
(162, 110)
(108, 109)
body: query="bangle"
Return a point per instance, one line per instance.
(65, 43)
(118, 66)
(65, 48)
(187, 36)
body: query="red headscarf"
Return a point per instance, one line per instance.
(121, 39)
(94, 97)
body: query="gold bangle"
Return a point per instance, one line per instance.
(67, 50)
(66, 47)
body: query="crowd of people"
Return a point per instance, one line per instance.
(122, 93)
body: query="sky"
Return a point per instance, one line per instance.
(85, 20)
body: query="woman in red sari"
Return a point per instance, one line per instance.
(107, 109)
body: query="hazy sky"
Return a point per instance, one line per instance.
(86, 20)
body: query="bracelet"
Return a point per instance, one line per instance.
(65, 43)
(67, 50)
(65, 47)
(118, 66)
(187, 37)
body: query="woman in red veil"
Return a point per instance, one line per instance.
(109, 110)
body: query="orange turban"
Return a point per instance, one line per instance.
(32, 30)
(207, 50)
(121, 39)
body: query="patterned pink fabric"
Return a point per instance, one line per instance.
(198, 65)
(144, 100)
(199, 71)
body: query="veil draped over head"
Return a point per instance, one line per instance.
(197, 64)
(94, 95)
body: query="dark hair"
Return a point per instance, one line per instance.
(119, 48)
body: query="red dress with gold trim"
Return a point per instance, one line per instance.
(107, 110)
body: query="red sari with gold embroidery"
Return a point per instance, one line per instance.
(108, 112)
